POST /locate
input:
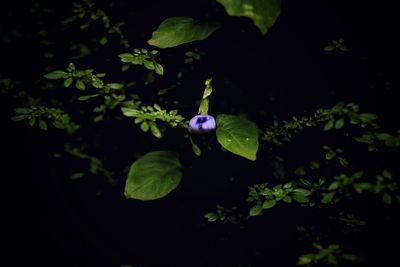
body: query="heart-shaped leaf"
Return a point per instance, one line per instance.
(262, 12)
(180, 30)
(153, 176)
(238, 135)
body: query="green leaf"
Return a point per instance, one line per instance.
(159, 69)
(287, 199)
(256, 210)
(155, 131)
(387, 198)
(333, 186)
(32, 121)
(343, 162)
(238, 135)
(339, 123)
(269, 204)
(77, 175)
(115, 85)
(367, 117)
(329, 48)
(19, 117)
(43, 125)
(129, 112)
(68, 82)
(327, 198)
(196, 149)
(387, 174)
(149, 65)
(57, 74)
(208, 90)
(211, 217)
(86, 97)
(22, 110)
(80, 85)
(126, 57)
(329, 125)
(314, 165)
(300, 198)
(305, 259)
(302, 191)
(153, 176)
(103, 40)
(300, 172)
(144, 126)
(330, 155)
(203, 107)
(262, 12)
(180, 30)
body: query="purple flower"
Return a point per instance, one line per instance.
(202, 124)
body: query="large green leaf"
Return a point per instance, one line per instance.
(262, 12)
(180, 30)
(238, 135)
(153, 176)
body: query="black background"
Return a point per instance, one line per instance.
(52, 221)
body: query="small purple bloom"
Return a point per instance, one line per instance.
(202, 124)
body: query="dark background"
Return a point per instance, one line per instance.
(52, 221)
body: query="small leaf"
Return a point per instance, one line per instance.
(333, 186)
(300, 172)
(208, 90)
(387, 198)
(68, 82)
(155, 131)
(77, 175)
(238, 135)
(256, 210)
(42, 125)
(269, 204)
(367, 117)
(196, 149)
(329, 48)
(302, 191)
(305, 259)
(22, 110)
(300, 198)
(343, 162)
(387, 174)
(180, 30)
(130, 112)
(330, 155)
(329, 125)
(153, 176)
(338, 107)
(103, 40)
(287, 199)
(80, 85)
(32, 121)
(19, 117)
(126, 57)
(327, 198)
(57, 74)
(339, 123)
(211, 217)
(314, 165)
(159, 69)
(125, 67)
(149, 64)
(86, 97)
(144, 126)
(115, 85)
